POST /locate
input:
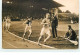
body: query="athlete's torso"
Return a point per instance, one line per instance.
(29, 22)
(8, 20)
(46, 21)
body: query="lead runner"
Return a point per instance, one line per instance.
(45, 29)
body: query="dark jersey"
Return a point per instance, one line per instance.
(28, 22)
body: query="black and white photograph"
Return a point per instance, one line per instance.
(40, 24)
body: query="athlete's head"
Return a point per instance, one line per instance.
(47, 15)
(8, 17)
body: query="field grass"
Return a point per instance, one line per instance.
(17, 28)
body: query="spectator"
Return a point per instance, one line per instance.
(71, 35)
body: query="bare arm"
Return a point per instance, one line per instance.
(44, 22)
(24, 22)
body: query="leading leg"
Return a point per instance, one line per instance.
(24, 33)
(41, 34)
(8, 26)
(47, 38)
(49, 35)
(30, 33)
(39, 39)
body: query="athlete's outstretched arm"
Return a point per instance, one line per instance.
(24, 22)
(43, 22)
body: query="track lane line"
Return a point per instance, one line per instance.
(33, 41)
(9, 44)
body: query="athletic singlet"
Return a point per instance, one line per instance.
(8, 20)
(46, 21)
(28, 22)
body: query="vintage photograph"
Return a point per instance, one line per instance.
(40, 24)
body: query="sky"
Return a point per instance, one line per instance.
(71, 5)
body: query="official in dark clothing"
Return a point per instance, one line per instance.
(54, 26)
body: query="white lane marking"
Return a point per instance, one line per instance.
(9, 44)
(34, 42)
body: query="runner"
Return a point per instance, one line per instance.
(4, 23)
(46, 28)
(28, 27)
(8, 23)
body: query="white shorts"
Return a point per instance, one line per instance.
(45, 31)
(8, 25)
(28, 28)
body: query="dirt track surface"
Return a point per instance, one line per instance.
(12, 42)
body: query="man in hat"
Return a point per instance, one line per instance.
(54, 23)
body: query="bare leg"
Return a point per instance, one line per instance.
(24, 33)
(39, 38)
(3, 26)
(46, 38)
(8, 26)
(29, 35)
